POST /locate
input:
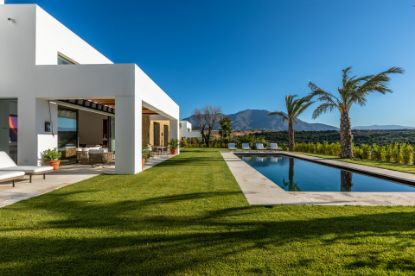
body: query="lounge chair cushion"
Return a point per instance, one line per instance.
(7, 164)
(259, 146)
(245, 146)
(29, 169)
(274, 146)
(10, 175)
(5, 160)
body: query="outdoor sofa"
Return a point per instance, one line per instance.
(7, 164)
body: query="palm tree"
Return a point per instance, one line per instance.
(353, 90)
(294, 107)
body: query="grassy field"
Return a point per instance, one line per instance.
(379, 164)
(188, 216)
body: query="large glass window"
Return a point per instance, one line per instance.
(8, 127)
(67, 127)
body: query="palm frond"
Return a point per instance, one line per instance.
(374, 83)
(323, 108)
(279, 113)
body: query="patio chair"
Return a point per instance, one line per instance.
(274, 146)
(232, 146)
(7, 164)
(82, 155)
(11, 176)
(245, 146)
(99, 156)
(259, 146)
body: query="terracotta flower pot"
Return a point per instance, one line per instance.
(55, 164)
(173, 151)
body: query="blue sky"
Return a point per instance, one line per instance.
(240, 54)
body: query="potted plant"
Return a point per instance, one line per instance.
(145, 154)
(52, 157)
(174, 144)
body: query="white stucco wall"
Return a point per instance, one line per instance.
(186, 130)
(29, 73)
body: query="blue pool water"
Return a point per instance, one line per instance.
(293, 174)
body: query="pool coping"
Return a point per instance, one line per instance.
(259, 190)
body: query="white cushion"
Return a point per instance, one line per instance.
(5, 160)
(245, 146)
(231, 146)
(274, 146)
(259, 146)
(29, 169)
(4, 176)
(96, 151)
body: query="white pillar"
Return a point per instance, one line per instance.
(128, 127)
(175, 134)
(46, 112)
(27, 148)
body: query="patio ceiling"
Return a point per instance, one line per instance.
(104, 105)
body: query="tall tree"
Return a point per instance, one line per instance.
(352, 91)
(294, 107)
(206, 118)
(225, 130)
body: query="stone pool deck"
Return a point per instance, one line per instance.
(259, 190)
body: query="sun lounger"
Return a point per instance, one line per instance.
(232, 146)
(259, 146)
(7, 164)
(274, 146)
(10, 176)
(245, 146)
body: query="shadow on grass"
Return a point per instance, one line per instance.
(130, 229)
(136, 241)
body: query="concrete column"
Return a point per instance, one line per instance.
(128, 139)
(27, 147)
(174, 130)
(46, 112)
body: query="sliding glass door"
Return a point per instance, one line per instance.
(8, 127)
(67, 127)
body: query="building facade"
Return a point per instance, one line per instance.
(57, 91)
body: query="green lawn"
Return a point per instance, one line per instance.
(372, 163)
(188, 216)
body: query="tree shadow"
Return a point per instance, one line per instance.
(98, 227)
(165, 242)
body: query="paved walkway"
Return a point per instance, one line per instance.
(259, 190)
(67, 175)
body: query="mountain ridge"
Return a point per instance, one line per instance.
(383, 127)
(258, 119)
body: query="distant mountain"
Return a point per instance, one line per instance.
(254, 119)
(382, 127)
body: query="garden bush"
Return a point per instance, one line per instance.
(394, 153)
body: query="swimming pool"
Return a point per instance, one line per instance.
(294, 174)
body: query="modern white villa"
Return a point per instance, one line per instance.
(186, 130)
(57, 91)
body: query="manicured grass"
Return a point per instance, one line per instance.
(378, 164)
(188, 216)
